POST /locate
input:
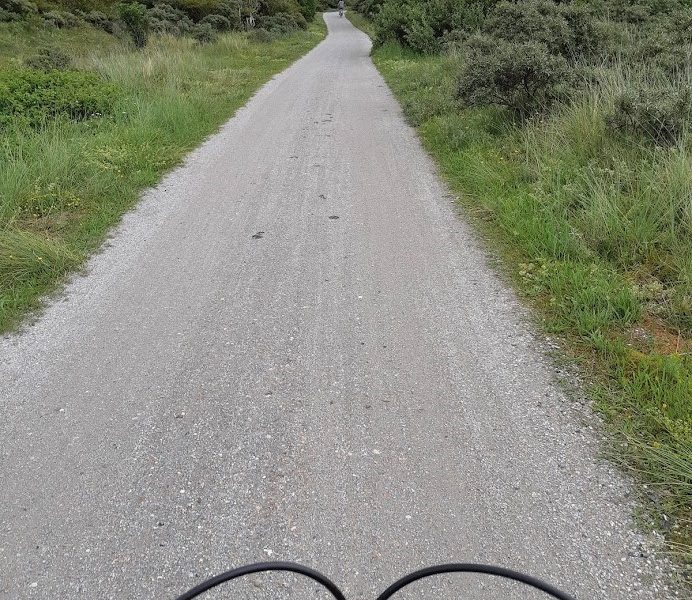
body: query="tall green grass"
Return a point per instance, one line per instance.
(594, 228)
(64, 185)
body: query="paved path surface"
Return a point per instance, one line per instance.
(352, 388)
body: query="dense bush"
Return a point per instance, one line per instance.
(307, 9)
(586, 39)
(574, 29)
(629, 12)
(262, 35)
(568, 29)
(423, 26)
(531, 21)
(163, 18)
(60, 19)
(174, 17)
(235, 11)
(33, 97)
(49, 59)
(522, 76)
(658, 114)
(369, 8)
(390, 23)
(198, 9)
(11, 10)
(18, 7)
(136, 21)
(666, 42)
(275, 7)
(204, 33)
(100, 20)
(282, 23)
(218, 22)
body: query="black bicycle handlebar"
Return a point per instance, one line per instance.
(260, 568)
(389, 592)
(473, 568)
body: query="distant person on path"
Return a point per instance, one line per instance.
(340, 6)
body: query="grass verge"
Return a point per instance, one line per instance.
(595, 231)
(65, 184)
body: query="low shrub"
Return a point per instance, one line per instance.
(390, 24)
(585, 40)
(531, 21)
(8, 17)
(629, 12)
(136, 21)
(33, 97)
(204, 33)
(197, 9)
(666, 43)
(282, 23)
(234, 10)
(423, 26)
(49, 59)
(453, 41)
(60, 19)
(655, 113)
(100, 20)
(275, 7)
(15, 9)
(218, 22)
(369, 8)
(613, 40)
(307, 9)
(521, 76)
(420, 31)
(262, 35)
(164, 18)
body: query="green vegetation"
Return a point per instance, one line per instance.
(565, 131)
(87, 121)
(202, 19)
(33, 98)
(136, 22)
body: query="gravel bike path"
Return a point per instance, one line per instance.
(295, 349)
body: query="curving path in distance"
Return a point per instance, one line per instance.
(294, 349)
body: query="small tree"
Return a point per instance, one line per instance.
(134, 17)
